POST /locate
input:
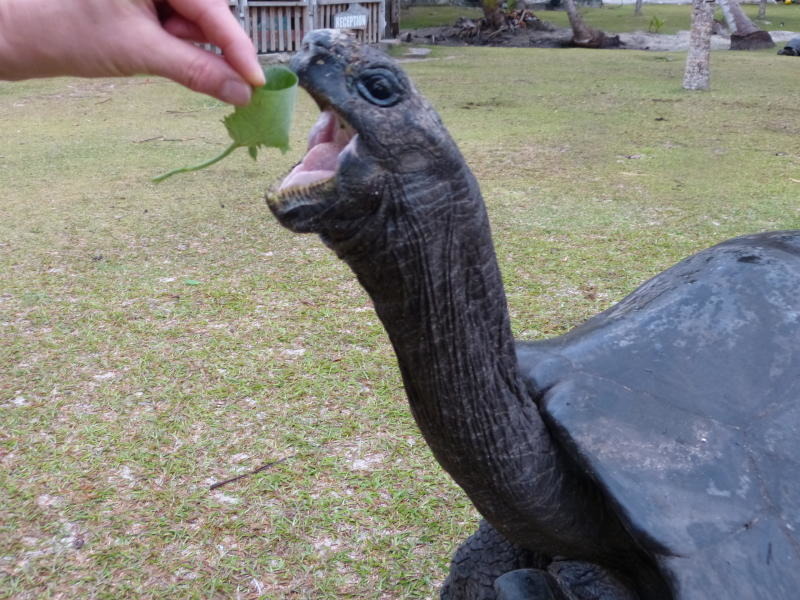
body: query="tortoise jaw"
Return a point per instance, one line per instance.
(311, 185)
(301, 208)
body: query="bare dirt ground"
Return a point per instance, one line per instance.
(560, 37)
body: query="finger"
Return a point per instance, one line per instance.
(180, 27)
(220, 27)
(196, 69)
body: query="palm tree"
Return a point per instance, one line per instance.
(492, 14)
(744, 33)
(585, 36)
(697, 74)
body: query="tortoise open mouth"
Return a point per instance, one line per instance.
(330, 139)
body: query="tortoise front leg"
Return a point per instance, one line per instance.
(489, 567)
(527, 584)
(480, 560)
(563, 580)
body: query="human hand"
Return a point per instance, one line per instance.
(110, 38)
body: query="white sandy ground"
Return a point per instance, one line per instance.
(680, 41)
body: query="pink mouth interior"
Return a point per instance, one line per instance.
(328, 138)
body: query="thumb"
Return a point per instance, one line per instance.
(197, 69)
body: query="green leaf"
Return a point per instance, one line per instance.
(265, 121)
(192, 282)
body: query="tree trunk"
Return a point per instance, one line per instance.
(393, 19)
(585, 36)
(744, 33)
(762, 10)
(637, 10)
(697, 74)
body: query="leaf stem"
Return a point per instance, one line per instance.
(208, 163)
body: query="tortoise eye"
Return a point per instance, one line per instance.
(379, 86)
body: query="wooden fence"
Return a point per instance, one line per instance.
(279, 25)
(326, 10)
(275, 26)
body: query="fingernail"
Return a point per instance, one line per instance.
(235, 92)
(258, 78)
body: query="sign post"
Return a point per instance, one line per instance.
(355, 17)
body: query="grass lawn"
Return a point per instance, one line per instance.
(614, 18)
(159, 338)
(413, 17)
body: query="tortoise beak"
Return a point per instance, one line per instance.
(310, 188)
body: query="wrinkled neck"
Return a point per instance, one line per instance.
(439, 293)
(433, 277)
(448, 322)
(437, 288)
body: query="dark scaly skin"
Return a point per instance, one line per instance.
(406, 214)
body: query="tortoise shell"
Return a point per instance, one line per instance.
(683, 403)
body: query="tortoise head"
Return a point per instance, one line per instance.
(375, 151)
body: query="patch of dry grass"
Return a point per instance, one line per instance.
(157, 339)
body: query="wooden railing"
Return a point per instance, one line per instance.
(279, 25)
